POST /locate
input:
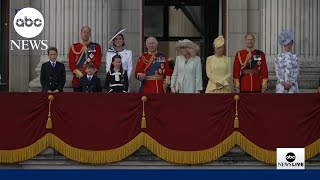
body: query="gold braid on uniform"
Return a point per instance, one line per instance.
(243, 64)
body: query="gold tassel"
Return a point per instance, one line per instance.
(49, 121)
(236, 123)
(144, 120)
(236, 119)
(143, 123)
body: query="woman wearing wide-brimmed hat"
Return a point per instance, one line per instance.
(218, 69)
(117, 47)
(287, 65)
(187, 74)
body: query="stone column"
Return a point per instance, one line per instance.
(127, 14)
(19, 60)
(63, 22)
(301, 17)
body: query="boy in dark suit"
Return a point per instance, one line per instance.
(89, 82)
(53, 73)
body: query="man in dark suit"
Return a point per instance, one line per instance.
(90, 82)
(53, 73)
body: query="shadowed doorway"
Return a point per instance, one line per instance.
(4, 35)
(173, 20)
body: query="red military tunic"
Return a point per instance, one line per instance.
(158, 72)
(250, 71)
(79, 55)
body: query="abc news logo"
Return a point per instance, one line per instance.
(28, 23)
(290, 158)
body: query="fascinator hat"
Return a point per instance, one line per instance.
(218, 42)
(285, 37)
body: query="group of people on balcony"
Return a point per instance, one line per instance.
(250, 71)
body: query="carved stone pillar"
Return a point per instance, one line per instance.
(63, 22)
(301, 17)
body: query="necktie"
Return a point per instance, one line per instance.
(53, 65)
(89, 78)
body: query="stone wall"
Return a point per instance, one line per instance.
(63, 21)
(266, 19)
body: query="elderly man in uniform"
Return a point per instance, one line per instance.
(250, 72)
(153, 69)
(82, 53)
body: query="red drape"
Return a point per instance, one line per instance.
(178, 122)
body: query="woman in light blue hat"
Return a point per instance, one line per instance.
(287, 65)
(187, 74)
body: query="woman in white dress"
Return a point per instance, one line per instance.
(287, 65)
(187, 74)
(116, 45)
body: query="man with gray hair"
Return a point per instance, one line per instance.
(153, 69)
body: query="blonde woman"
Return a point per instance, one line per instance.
(187, 74)
(218, 69)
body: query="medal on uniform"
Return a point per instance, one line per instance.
(91, 56)
(162, 65)
(92, 48)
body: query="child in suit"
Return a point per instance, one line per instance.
(117, 78)
(90, 82)
(53, 73)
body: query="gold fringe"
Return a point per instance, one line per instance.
(312, 150)
(143, 139)
(26, 153)
(96, 157)
(189, 157)
(255, 151)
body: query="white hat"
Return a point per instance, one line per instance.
(187, 43)
(119, 32)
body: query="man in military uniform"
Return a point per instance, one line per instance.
(82, 53)
(250, 69)
(153, 69)
(53, 73)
